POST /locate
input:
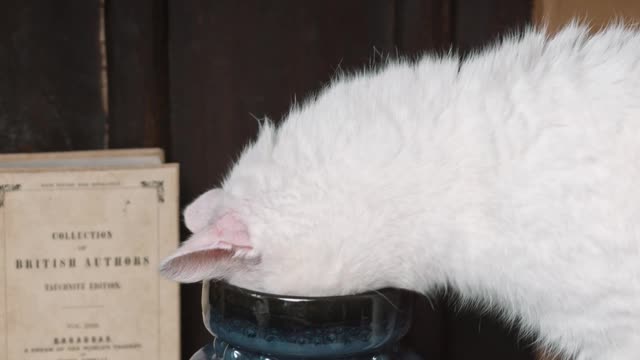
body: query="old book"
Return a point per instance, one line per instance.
(81, 236)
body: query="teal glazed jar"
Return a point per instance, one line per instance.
(252, 325)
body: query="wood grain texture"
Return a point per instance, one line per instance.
(50, 76)
(138, 73)
(423, 26)
(480, 22)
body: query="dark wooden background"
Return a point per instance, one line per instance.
(188, 75)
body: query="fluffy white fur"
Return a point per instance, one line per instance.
(512, 176)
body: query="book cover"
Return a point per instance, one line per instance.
(79, 254)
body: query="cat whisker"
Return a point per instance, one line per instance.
(387, 299)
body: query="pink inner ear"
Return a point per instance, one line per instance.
(232, 231)
(198, 257)
(227, 233)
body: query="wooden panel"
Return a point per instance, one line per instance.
(478, 22)
(472, 334)
(138, 71)
(427, 336)
(50, 95)
(422, 26)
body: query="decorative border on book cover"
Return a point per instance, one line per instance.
(4, 188)
(158, 185)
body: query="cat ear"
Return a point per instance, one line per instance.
(206, 207)
(210, 252)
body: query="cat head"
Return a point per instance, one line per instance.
(255, 248)
(274, 245)
(277, 230)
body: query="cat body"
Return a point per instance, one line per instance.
(512, 176)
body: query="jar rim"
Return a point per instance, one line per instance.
(381, 293)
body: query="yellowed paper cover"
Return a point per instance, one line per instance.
(79, 253)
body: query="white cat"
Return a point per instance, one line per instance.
(512, 176)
